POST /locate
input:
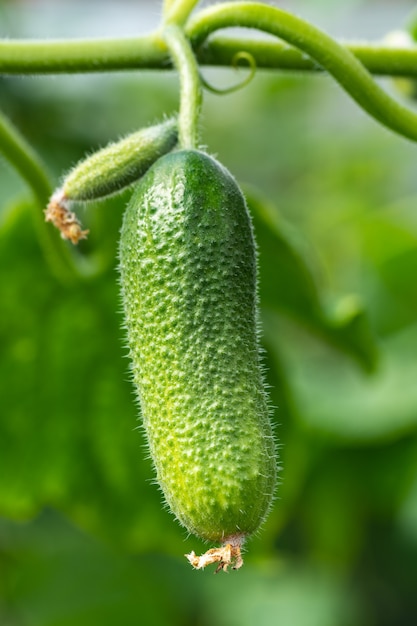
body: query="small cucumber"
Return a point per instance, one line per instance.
(107, 172)
(119, 164)
(188, 277)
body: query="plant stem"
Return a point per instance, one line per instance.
(21, 155)
(190, 86)
(179, 11)
(378, 58)
(25, 160)
(82, 55)
(150, 52)
(333, 57)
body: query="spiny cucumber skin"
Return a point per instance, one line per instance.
(188, 277)
(119, 164)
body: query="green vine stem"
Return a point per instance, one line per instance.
(190, 86)
(178, 11)
(82, 55)
(336, 59)
(22, 156)
(19, 57)
(378, 58)
(71, 56)
(63, 264)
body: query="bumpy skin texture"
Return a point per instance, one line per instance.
(119, 164)
(188, 275)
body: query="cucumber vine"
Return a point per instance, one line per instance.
(193, 329)
(185, 40)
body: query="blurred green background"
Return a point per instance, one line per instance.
(84, 538)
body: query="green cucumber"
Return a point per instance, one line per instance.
(107, 172)
(119, 164)
(188, 278)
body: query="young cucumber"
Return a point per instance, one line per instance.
(107, 172)
(188, 276)
(119, 164)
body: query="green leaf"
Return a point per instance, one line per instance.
(335, 400)
(280, 593)
(389, 244)
(407, 517)
(288, 283)
(347, 490)
(68, 417)
(55, 575)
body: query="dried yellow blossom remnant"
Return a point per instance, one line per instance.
(227, 555)
(65, 220)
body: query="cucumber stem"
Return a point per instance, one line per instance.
(178, 11)
(190, 85)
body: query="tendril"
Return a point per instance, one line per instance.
(328, 53)
(239, 56)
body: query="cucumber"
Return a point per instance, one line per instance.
(107, 172)
(119, 164)
(188, 278)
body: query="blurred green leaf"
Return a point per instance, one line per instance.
(287, 283)
(275, 593)
(407, 516)
(389, 245)
(348, 487)
(335, 400)
(74, 579)
(67, 428)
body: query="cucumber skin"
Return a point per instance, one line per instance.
(119, 164)
(188, 277)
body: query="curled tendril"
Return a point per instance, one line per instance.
(340, 63)
(239, 56)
